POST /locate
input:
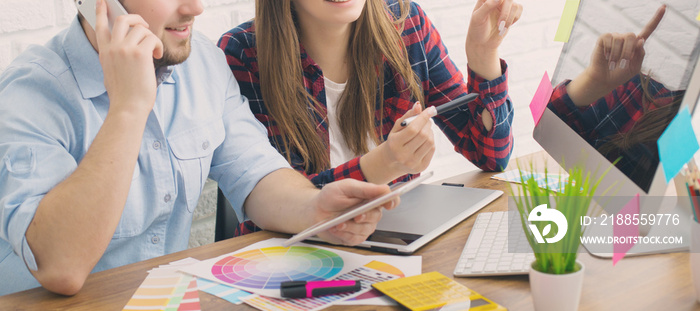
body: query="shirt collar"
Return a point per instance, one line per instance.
(306, 60)
(85, 63)
(166, 75)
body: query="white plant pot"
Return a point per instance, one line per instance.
(556, 292)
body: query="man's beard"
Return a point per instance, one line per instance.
(175, 57)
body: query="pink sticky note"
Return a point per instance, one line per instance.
(622, 230)
(541, 98)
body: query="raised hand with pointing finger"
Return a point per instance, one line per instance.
(615, 59)
(489, 24)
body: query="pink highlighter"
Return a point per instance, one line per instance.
(304, 289)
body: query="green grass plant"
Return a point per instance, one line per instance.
(573, 200)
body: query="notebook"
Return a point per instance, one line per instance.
(424, 214)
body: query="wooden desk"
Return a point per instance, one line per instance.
(655, 282)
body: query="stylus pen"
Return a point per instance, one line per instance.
(304, 289)
(447, 106)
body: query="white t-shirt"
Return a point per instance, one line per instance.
(340, 152)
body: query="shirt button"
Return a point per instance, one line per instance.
(167, 198)
(155, 239)
(205, 145)
(156, 145)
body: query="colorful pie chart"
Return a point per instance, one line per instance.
(266, 268)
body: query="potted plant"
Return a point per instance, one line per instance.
(556, 277)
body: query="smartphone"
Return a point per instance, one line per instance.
(87, 9)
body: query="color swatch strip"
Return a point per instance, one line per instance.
(228, 293)
(166, 289)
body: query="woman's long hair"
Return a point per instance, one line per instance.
(375, 41)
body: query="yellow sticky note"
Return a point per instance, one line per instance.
(698, 18)
(566, 23)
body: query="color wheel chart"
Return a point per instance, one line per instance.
(266, 268)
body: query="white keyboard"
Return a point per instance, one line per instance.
(486, 251)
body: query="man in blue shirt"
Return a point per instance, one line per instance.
(103, 162)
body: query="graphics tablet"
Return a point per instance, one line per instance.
(425, 213)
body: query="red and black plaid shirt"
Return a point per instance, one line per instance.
(615, 113)
(440, 80)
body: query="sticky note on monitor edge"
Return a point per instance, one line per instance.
(622, 230)
(541, 99)
(566, 23)
(678, 144)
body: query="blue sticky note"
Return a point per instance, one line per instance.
(677, 144)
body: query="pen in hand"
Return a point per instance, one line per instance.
(447, 106)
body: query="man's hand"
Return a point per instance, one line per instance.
(126, 55)
(335, 198)
(285, 201)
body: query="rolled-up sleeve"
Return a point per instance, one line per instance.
(246, 155)
(490, 149)
(34, 144)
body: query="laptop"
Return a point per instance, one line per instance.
(425, 213)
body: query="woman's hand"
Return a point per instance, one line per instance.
(407, 150)
(616, 59)
(489, 24)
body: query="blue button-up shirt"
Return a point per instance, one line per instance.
(52, 104)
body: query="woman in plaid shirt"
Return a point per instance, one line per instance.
(333, 79)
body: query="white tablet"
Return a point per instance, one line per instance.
(352, 212)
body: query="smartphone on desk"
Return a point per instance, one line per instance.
(87, 9)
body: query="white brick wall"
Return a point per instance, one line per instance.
(528, 48)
